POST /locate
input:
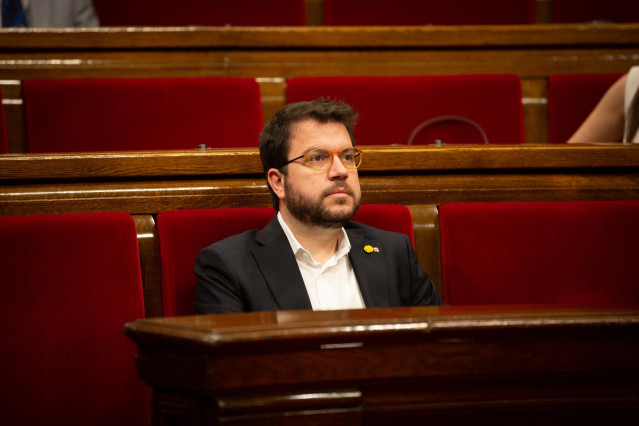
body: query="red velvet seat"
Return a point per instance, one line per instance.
(567, 11)
(571, 98)
(4, 143)
(391, 109)
(576, 253)
(200, 12)
(68, 285)
(183, 233)
(428, 12)
(78, 115)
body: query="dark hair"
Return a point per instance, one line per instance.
(275, 139)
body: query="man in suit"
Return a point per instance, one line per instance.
(311, 256)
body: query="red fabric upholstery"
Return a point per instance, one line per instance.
(390, 108)
(200, 12)
(565, 11)
(571, 98)
(183, 233)
(391, 217)
(4, 143)
(425, 12)
(141, 114)
(577, 253)
(69, 283)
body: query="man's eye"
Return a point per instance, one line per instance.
(318, 157)
(347, 157)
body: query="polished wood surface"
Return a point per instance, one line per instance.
(142, 183)
(450, 365)
(274, 54)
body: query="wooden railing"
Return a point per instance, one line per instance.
(272, 55)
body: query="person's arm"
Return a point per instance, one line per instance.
(606, 121)
(217, 291)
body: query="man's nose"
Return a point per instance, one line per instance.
(337, 168)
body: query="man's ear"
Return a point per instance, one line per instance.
(276, 181)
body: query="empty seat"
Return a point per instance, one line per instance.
(567, 11)
(572, 253)
(68, 284)
(571, 98)
(183, 233)
(424, 109)
(200, 12)
(428, 12)
(76, 115)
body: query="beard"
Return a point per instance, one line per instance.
(314, 212)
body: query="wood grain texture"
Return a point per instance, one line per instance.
(456, 365)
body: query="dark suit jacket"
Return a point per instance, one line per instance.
(257, 271)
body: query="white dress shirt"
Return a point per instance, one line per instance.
(332, 285)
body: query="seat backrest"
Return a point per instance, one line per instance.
(183, 233)
(200, 12)
(392, 108)
(571, 98)
(4, 142)
(428, 12)
(567, 11)
(575, 253)
(68, 285)
(390, 217)
(66, 115)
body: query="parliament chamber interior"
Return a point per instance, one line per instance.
(127, 147)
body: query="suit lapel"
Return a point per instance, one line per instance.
(277, 263)
(370, 270)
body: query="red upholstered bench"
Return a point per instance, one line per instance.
(68, 284)
(567, 11)
(571, 98)
(183, 233)
(200, 12)
(428, 12)
(141, 113)
(423, 109)
(577, 253)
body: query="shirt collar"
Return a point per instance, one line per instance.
(299, 251)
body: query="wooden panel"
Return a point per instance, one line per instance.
(149, 248)
(428, 242)
(146, 183)
(452, 365)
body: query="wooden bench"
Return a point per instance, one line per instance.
(145, 183)
(273, 55)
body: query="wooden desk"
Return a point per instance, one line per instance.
(446, 365)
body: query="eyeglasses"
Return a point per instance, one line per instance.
(321, 159)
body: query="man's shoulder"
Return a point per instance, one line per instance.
(372, 232)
